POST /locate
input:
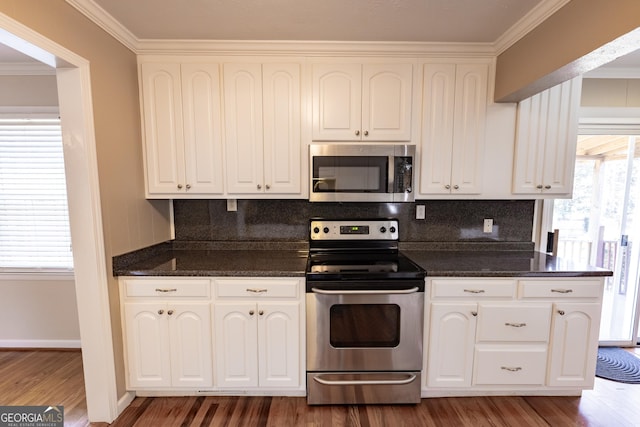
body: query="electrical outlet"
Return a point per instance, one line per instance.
(488, 225)
(232, 205)
(420, 212)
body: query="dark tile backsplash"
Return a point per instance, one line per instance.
(288, 220)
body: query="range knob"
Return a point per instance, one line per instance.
(326, 229)
(383, 230)
(316, 230)
(392, 229)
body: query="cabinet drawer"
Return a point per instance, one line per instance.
(167, 288)
(524, 322)
(510, 365)
(560, 288)
(474, 288)
(252, 288)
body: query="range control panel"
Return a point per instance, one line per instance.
(379, 229)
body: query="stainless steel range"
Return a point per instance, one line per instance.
(364, 315)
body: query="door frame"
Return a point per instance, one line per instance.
(85, 218)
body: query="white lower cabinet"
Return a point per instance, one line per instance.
(223, 335)
(168, 344)
(508, 336)
(258, 341)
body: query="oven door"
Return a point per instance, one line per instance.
(364, 330)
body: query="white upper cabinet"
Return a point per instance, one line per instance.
(262, 106)
(362, 102)
(454, 108)
(546, 137)
(183, 146)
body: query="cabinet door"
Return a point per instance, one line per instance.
(469, 128)
(163, 128)
(386, 102)
(236, 345)
(202, 128)
(190, 337)
(279, 344)
(437, 128)
(451, 344)
(243, 128)
(337, 102)
(546, 138)
(574, 344)
(282, 134)
(148, 358)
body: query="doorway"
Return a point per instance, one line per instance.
(600, 226)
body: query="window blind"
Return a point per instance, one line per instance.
(34, 219)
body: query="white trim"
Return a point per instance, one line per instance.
(91, 284)
(29, 112)
(614, 73)
(39, 344)
(34, 275)
(125, 401)
(104, 20)
(531, 20)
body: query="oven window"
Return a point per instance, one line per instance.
(364, 325)
(362, 174)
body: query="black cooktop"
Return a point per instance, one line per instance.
(362, 265)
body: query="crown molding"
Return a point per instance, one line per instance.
(105, 21)
(535, 17)
(311, 48)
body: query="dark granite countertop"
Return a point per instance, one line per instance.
(498, 264)
(290, 259)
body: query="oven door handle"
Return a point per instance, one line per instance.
(410, 378)
(366, 292)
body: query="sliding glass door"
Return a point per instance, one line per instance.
(601, 225)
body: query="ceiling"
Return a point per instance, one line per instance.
(461, 21)
(607, 147)
(481, 22)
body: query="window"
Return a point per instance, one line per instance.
(34, 219)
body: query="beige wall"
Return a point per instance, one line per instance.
(130, 221)
(28, 91)
(610, 93)
(561, 47)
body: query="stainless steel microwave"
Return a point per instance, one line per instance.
(361, 173)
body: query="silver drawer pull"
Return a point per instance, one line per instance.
(166, 290)
(365, 292)
(562, 291)
(257, 291)
(474, 291)
(515, 325)
(511, 368)
(410, 378)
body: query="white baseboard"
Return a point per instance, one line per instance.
(125, 401)
(40, 344)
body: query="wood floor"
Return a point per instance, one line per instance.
(55, 378)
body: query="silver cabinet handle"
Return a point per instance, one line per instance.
(160, 312)
(474, 291)
(261, 312)
(511, 369)
(410, 378)
(539, 186)
(364, 292)
(448, 187)
(474, 313)
(179, 186)
(268, 187)
(166, 290)
(366, 133)
(562, 291)
(455, 187)
(259, 187)
(170, 312)
(251, 312)
(547, 187)
(188, 186)
(561, 312)
(257, 291)
(357, 133)
(515, 325)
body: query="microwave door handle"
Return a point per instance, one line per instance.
(392, 174)
(366, 292)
